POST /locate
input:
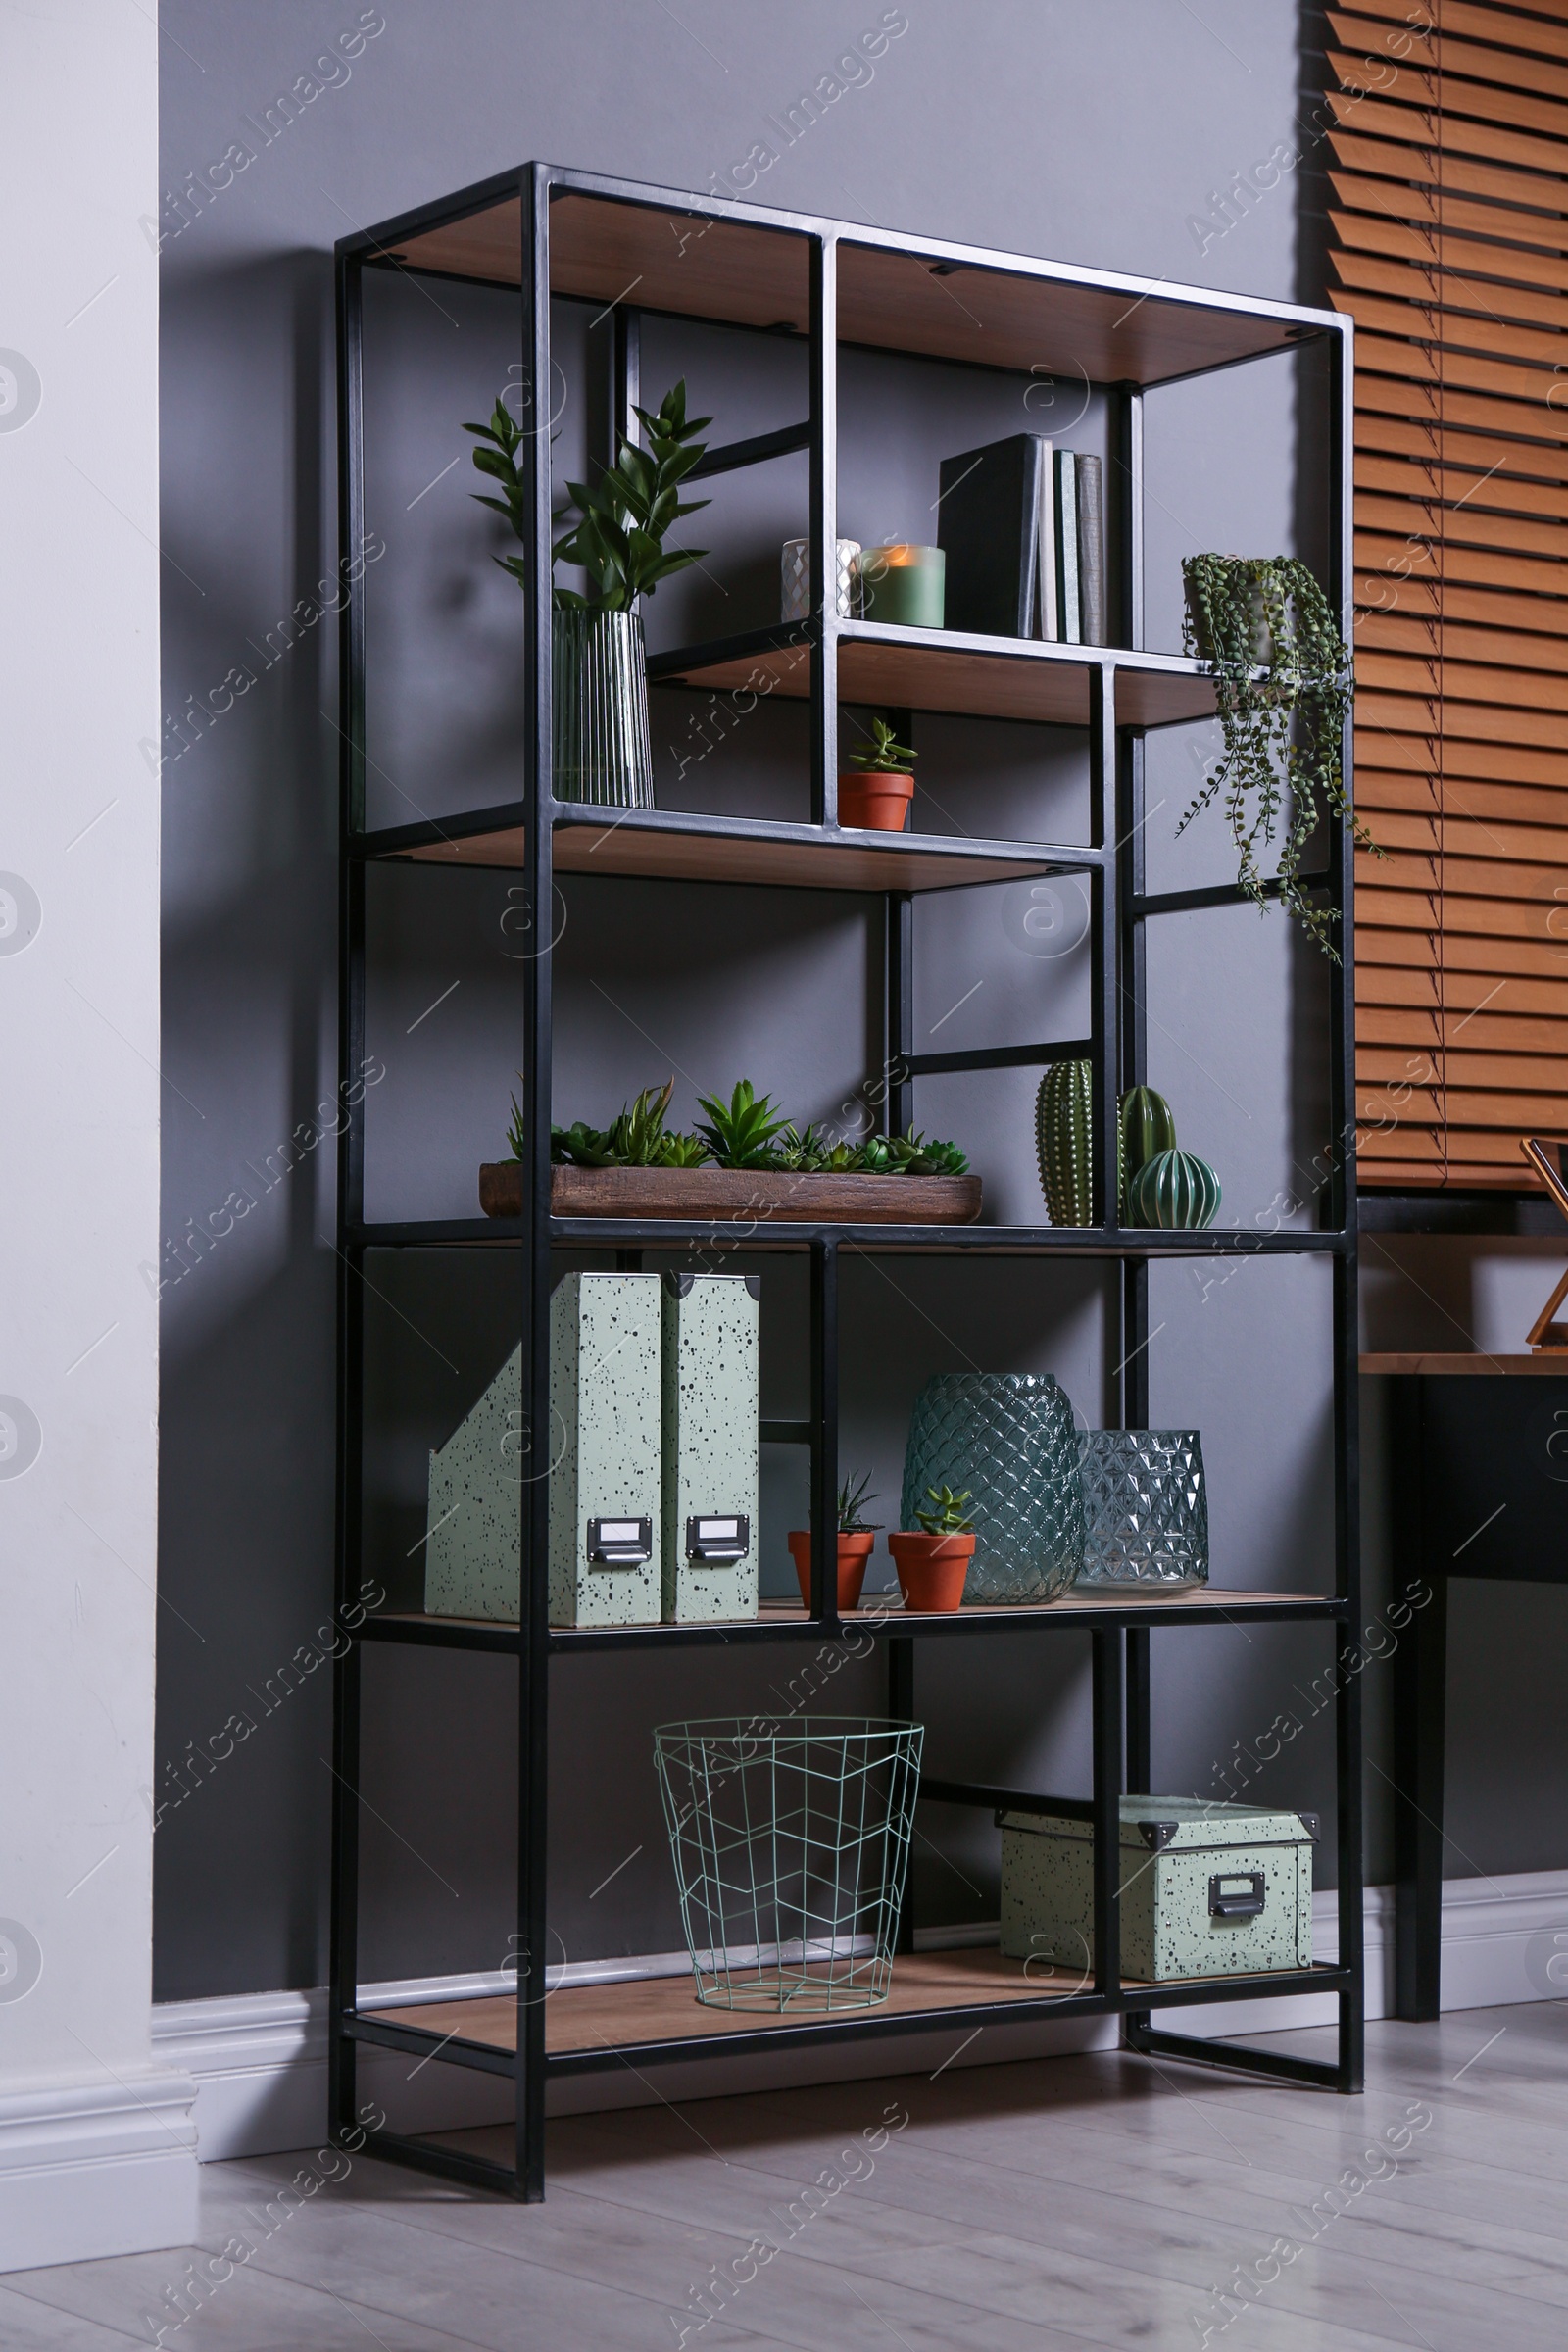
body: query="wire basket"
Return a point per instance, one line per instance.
(790, 1849)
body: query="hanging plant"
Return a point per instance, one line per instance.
(1283, 728)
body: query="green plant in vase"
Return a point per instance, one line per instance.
(1284, 687)
(616, 531)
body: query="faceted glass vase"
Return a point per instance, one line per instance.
(1145, 1507)
(599, 685)
(1008, 1439)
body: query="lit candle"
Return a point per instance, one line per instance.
(903, 584)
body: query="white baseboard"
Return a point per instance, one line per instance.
(107, 2167)
(258, 2060)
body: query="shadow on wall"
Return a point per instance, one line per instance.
(249, 786)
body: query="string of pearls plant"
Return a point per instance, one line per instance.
(1283, 690)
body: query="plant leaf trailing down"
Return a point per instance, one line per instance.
(622, 518)
(1283, 728)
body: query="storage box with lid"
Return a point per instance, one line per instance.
(1207, 1889)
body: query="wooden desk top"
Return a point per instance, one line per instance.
(1474, 1365)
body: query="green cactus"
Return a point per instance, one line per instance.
(1064, 1127)
(1147, 1127)
(1174, 1190)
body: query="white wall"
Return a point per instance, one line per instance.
(95, 2142)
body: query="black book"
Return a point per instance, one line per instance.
(989, 527)
(1092, 551)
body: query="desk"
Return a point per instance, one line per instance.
(1479, 1487)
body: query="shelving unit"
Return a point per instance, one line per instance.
(540, 231)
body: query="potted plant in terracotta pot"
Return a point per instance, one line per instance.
(933, 1563)
(878, 797)
(856, 1537)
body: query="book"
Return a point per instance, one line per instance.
(1066, 547)
(1048, 614)
(989, 528)
(1091, 552)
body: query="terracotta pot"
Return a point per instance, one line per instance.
(931, 1568)
(853, 1552)
(876, 804)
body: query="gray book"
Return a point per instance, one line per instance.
(1067, 591)
(1092, 551)
(1048, 610)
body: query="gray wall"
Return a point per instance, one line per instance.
(1095, 134)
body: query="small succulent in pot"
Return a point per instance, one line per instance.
(878, 797)
(933, 1563)
(856, 1538)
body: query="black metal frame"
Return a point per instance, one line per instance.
(1112, 864)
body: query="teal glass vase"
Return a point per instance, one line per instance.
(1145, 1507)
(1007, 1439)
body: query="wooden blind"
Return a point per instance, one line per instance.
(1448, 136)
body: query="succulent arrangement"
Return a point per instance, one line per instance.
(745, 1132)
(622, 519)
(1283, 690)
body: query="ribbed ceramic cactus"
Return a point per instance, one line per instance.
(1147, 1127)
(1175, 1190)
(1064, 1128)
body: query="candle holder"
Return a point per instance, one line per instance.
(903, 584)
(795, 578)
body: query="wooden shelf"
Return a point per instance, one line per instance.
(944, 302)
(1470, 1365)
(664, 2009)
(665, 846)
(881, 1612)
(928, 670)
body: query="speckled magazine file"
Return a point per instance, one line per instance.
(711, 1324)
(602, 1468)
(1208, 1889)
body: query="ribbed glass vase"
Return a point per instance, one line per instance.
(1145, 1507)
(1008, 1439)
(600, 704)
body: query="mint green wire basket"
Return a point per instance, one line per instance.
(791, 1850)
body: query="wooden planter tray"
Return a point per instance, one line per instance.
(734, 1193)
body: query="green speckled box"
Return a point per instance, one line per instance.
(604, 1470)
(1207, 1889)
(711, 1326)
(604, 1343)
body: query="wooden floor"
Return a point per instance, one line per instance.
(1065, 2205)
(666, 2008)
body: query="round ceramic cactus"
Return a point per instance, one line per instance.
(1174, 1189)
(1064, 1128)
(1148, 1128)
